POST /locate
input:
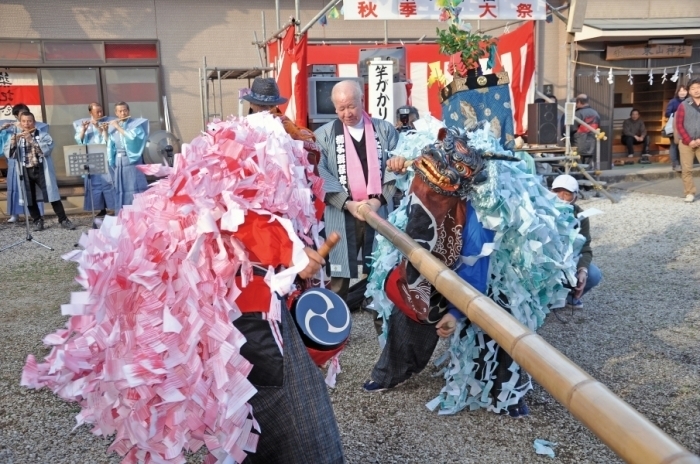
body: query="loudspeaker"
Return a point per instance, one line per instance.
(542, 124)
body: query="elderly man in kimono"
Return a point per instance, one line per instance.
(93, 131)
(7, 129)
(125, 143)
(355, 150)
(32, 151)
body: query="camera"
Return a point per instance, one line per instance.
(404, 114)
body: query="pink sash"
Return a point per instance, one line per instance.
(360, 190)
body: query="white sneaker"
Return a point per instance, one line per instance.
(13, 218)
(689, 198)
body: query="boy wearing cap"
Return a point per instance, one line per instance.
(588, 275)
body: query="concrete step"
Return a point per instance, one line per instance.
(642, 172)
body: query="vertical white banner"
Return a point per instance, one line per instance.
(381, 90)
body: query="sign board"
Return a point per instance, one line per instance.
(381, 90)
(647, 51)
(427, 9)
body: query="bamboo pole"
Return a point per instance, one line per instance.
(616, 423)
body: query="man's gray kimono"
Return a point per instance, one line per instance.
(343, 258)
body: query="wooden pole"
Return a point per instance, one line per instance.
(616, 423)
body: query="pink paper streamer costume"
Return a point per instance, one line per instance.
(150, 352)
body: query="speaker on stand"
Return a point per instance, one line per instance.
(542, 124)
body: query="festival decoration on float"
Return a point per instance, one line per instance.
(436, 75)
(464, 47)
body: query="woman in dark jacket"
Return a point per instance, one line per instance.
(681, 95)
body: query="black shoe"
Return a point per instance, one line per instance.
(38, 225)
(102, 213)
(373, 387)
(67, 225)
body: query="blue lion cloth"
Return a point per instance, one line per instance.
(467, 108)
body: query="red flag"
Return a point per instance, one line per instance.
(291, 77)
(516, 55)
(300, 83)
(284, 66)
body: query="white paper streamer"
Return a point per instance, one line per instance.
(676, 75)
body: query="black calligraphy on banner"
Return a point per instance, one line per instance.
(382, 86)
(7, 95)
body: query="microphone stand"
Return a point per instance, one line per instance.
(21, 174)
(86, 167)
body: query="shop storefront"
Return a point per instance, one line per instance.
(621, 68)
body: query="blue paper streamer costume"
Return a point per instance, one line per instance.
(125, 153)
(518, 247)
(102, 186)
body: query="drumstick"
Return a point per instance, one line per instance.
(330, 242)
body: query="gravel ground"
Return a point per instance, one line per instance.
(639, 334)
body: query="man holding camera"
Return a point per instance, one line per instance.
(405, 117)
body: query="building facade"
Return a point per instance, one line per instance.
(139, 51)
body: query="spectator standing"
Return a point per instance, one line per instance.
(681, 94)
(585, 139)
(687, 122)
(354, 153)
(635, 132)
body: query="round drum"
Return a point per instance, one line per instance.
(324, 322)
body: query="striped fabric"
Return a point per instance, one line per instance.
(334, 217)
(20, 86)
(297, 424)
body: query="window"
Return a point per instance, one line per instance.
(67, 94)
(74, 51)
(58, 79)
(20, 51)
(136, 86)
(131, 51)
